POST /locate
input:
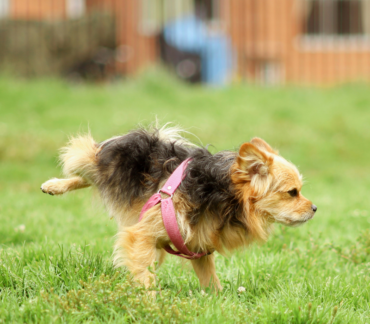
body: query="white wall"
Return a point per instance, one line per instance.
(75, 8)
(4, 8)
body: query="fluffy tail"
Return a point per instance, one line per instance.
(79, 158)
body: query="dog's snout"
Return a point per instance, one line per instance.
(314, 208)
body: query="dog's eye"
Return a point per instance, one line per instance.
(293, 192)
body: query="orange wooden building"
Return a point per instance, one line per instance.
(302, 41)
(275, 41)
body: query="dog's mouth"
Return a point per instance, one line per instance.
(297, 223)
(288, 221)
(291, 223)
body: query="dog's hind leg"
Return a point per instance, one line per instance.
(206, 272)
(79, 166)
(61, 186)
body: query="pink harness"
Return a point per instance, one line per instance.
(168, 213)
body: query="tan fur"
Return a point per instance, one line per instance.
(79, 157)
(206, 272)
(61, 186)
(136, 246)
(262, 145)
(124, 214)
(261, 178)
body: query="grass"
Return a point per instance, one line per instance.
(55, 252)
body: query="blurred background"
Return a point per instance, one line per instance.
(215, 42)
(293, 72)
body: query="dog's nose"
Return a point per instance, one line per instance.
(314, 208)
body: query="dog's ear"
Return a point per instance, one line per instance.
(262, 145)
(253, 160)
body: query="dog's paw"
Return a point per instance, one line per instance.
(52, 187)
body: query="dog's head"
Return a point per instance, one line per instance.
(270, 186)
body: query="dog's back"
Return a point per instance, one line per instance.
(132, 166)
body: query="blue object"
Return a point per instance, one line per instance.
(190, 34)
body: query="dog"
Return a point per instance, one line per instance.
(225, 201)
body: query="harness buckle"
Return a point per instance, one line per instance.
(160, 191)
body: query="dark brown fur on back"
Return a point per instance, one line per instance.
(133, 166)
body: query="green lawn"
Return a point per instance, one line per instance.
(55, 252)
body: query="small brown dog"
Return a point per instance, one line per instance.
(226, 200)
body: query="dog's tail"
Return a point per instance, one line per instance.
(78, 158)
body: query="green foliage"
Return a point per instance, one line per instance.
(116, 295)
(55, 252)
(359, 252)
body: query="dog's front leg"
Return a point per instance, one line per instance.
(136, 249)
(161, 255)
(206, 272)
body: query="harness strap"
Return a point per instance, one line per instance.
(169, 214)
